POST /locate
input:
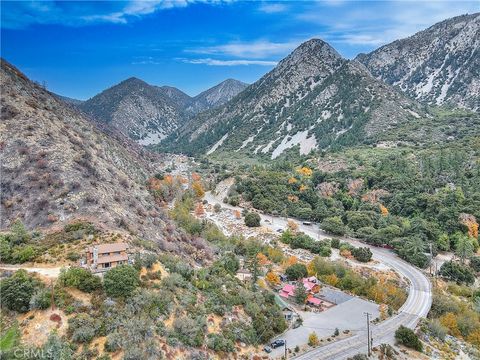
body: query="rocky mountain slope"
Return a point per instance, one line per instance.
(138, 110)
(58, 166)
(147, 113)
(313, 99)
(216, 96)
(440, 65)
(69, 100)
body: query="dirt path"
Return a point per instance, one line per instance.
(49, 272)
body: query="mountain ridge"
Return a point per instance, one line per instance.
(439, 65)
(313, 99)
(148, 113)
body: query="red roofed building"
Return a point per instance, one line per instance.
(310, 285)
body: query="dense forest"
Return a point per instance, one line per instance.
(410, 200)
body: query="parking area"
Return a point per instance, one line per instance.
(347, 315)
(333, 295)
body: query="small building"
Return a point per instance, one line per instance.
(287, 291)
(243, 275)
(105, 256)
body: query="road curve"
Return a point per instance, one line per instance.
(416, 306)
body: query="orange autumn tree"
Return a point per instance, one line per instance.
(471, 223)
(449, 320)
(196, 177)
(305, 171)
(198, 189)
(262, 259)
(272, 278)
(237, 214)
(383, 210)
(290, 261)
(292, 180)
(199, 210)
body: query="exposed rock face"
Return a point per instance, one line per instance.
(216, 96)
(313, 99)
(58, 166)
(439, 65)
(138, 110)
(147, 113)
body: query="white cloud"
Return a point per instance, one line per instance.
(235, 62)
(20, 14)
(256, 49)
(271, 8)
(378, 23)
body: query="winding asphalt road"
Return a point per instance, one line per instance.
(417, 305)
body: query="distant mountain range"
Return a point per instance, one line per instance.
(315, 99)
(148, 113)
(440, 65)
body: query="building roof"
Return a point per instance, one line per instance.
(287, 290)
(314, 301)
(112, 258)
(108, 248)
(308, 285)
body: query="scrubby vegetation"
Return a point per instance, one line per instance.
(409, 201)
(455, 311)
(407, 337)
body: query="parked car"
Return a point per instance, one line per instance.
(267, 349)
(277, 343)
(308, 223)
(279, 230)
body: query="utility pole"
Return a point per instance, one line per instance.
(431, 258)
(286, 350)
(368, 333)
(52, 296)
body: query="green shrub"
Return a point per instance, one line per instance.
(17, 290)
(296, 271)
(362, 254)
(121, 281)
(80, 278)
(458, 272)
(217, 342)
(83, 328)
(41, 299)
(407, 337)
(333, 225)
(252, 219)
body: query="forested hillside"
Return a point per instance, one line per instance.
(404, 198)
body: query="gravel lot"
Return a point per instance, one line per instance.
(349, 315)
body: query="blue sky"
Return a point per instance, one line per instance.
(81, 48)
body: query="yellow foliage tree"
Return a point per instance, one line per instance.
(290, 261)
(262, 259)
(346, 253)
(383, 210)
(272, 278)
(275, 254)
(331, 279)
(449, 320)
(198, 189)
(292, 225)
(313, 339)
(305, 171)
(303, 188)
(292, 180)
(292, 198)
(474, 338)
